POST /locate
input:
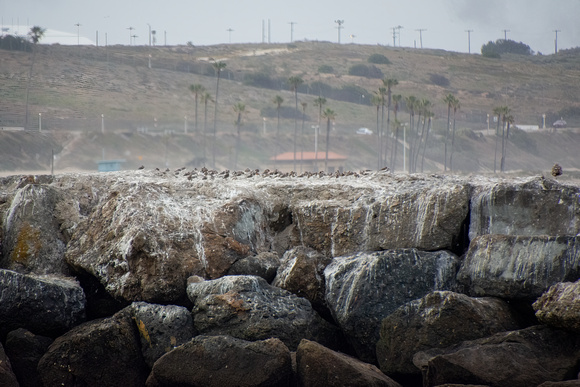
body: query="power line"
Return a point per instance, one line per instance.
(340, 23)
(421, 35)
(292, 31)
(397, 31)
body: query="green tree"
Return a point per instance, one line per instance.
(456, 106)
(205, 99)
(294, 82)
(448, 101)
(278, 100)
(196, 89)
(389, 83)
(330, 115)
(397, 98)
(239, 108)
(218, 66)
(35, 34)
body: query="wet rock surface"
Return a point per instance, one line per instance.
(155, 258)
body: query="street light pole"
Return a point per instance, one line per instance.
(340, 23)
(40, 122)
(102, 123)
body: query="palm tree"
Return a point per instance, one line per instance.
(304, 105)
(35, 34)
(205, 98)
(497, 111)
(218, 67)
(294, 82)
(509, 119)
(376, 101)
(330, 115)
(381, 94)
(196, 89)
(423, 107)
(389, 83)
(506, 118)
(448, 101)
(456, 106)
(320, 102)
(397, 98)
(278, 101)
(239, 108)
(411, 104)
(429, 115)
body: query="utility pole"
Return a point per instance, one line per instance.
(230, 31)
(340, 23)
(149, 33)
(469, 40)
(130, 34)
(396, 31)
(292, 31)
(556, 42)
(421, 35)
(505, 34)
(78, 33)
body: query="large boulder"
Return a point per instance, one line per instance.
(247, 307)
(45, 305)
(320, 366)
(302, 273)
(389, 212)
(263, 265)
(224, 361)
(438, 320)
(7, 377)
(518, 267)
(521, 358)
(25, 349)
(363, 289)
(530, 207)
(559, 307)
(33, 242)
(161, 328)
(103, 352)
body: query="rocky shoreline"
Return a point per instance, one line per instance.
(257, 278)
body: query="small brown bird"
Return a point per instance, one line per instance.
(556, 170)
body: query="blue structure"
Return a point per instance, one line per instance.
(110, 165)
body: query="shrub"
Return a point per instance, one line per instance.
(362, 70)
(325, 69)
(439, 80)
(378, 59)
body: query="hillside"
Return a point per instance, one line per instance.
(140, 97)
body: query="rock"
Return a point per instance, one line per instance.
(7, 377)
(263, 265)
(518, 267)
(161, 328)
(531, 207)
(320, 366)
(399, 214)
(438, 320)
(302, 273)
(103, 352)
(523, 358)
(32, 241)
(565, 383)
(224, 361)
(44, 305)
(247, 307)
(559, 307)
(25, 349)
(363, 289)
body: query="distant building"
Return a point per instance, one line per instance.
(309, 161)
(110, 165)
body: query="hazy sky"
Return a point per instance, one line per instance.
(370, 21)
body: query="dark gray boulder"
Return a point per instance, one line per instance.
(33, 242)
(103, 352)
(363, 289)
(320, 366)
(224, 361)
(45, 305)
(263, 265)
(565, 383)
(559, 307)
(438, 320)
(25, 349)
(530, 207)
(247, 307)
(161, 328)
(527, 357)
(518, 267)
(302, 273)
(7, 377)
